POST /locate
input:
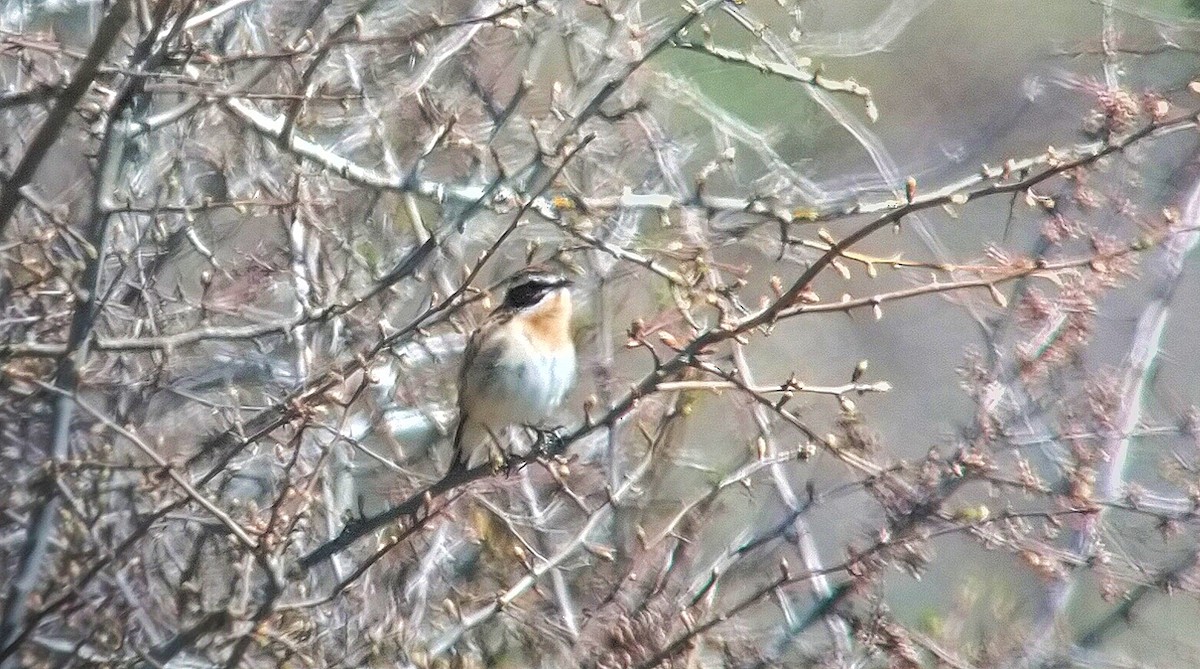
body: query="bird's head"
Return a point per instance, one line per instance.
(541, 301)
(535, 288)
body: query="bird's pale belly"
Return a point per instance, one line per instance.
(527, 392)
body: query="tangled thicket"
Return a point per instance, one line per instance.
(242, 242)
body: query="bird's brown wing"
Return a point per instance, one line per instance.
(473, 375)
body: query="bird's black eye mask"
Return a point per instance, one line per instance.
(531, 291)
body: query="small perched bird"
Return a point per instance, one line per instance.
(517, 367)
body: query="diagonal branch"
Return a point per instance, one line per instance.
(81, 80)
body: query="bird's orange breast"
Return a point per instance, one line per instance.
(549, 324)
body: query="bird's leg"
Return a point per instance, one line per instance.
(511, 459)
(513, 464)
(497, 460)
(496, 456)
